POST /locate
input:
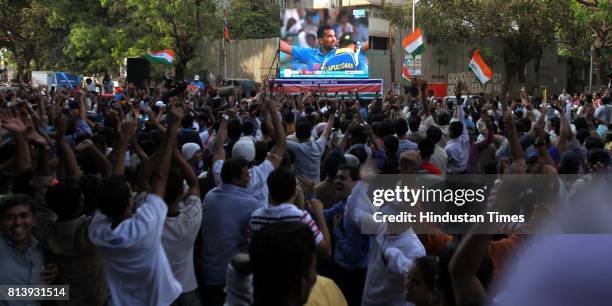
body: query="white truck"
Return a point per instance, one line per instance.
(54, 78)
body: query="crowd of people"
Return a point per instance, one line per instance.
(154, 196)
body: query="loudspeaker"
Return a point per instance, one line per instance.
(138, 70)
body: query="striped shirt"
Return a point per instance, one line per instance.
(285, 212)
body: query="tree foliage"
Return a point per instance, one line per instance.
(27, 34)
(253, 19)
(589, 26)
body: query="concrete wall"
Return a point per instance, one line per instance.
(246, 59)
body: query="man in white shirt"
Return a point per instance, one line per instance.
(458, 146)
(564, 96)
(129, 236)
(390, 257)
(181, 227)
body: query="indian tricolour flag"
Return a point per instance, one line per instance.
(163, 57)
(413, 43)
(405, 72)
(480, 69)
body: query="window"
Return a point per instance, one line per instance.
(379, 43)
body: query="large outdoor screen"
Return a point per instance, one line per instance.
(323, 43)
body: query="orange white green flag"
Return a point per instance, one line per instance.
(405, 72)
(414, 43)
(164, 56)
(480, 68)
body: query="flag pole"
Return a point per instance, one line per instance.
(224, 44)
(591, 73)
(413, 13)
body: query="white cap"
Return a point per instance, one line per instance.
(189, 150)
(244, 148)
(159, 103)
(196, 77)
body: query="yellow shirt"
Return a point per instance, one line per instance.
(326, 293)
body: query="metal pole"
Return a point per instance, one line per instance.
(591, 73)
(392, 52)
(224, 59)
(413, 14)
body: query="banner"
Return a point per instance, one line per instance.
(414, 65)
(367, 89)
(69, 80)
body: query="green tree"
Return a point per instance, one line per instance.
(184, 23)
(253, 19)
(593, 17)
(102, 33)
(99, 35)
(27, 35)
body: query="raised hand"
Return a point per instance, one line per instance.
(458, 90)
(12, 123)
(175, 115)
(60, 126)
(128, 130)
(32, 134)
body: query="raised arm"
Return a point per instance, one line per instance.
(565, 132)
(488, 120)
(458, 114)
(285, 47)
(218, 151)
(117, 156)
(516, 150)
(266, 124)
(82, 105)
(276, 154)
(463, 269)
(330, 120)
(65, 153)
(188, 174)
(137, 149)
(98, 158)
(167, 147)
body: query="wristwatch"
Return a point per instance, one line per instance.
(226, 117)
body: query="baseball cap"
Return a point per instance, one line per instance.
(196, 77)
(347, 38)
(244, 148)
